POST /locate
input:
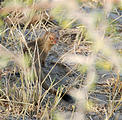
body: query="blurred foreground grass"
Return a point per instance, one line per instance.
(95, 32)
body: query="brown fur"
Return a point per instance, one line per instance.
(42, 46)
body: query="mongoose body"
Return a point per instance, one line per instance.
(43, 46)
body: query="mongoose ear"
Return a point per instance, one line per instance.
(45, 34)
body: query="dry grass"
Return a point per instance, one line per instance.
(87, 52)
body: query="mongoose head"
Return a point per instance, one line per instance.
(53, 38)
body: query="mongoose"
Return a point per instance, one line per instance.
(44, 45)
